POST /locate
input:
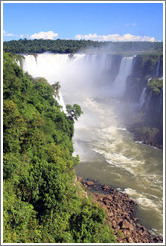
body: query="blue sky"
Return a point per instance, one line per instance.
(95, 21)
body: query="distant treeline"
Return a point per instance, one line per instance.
(72, 46)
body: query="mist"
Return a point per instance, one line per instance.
(98, 82)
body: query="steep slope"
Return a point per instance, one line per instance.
(42, 202)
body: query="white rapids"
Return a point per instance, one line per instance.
(106, 149)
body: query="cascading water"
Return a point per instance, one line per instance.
(157, 70)
(119, 85)
(106, 149)
(60, 101)
(18, 62)
(142, 98)
(73, 72)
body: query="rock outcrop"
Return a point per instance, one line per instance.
(120, 211)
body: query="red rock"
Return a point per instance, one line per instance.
(126, 225)
(136, 219)
(130, 240)
(80, 179)
(106, 187)
(120, 209)
(114, 224)
(90, 183)
(126, 233)
(109, 197)
(110, 214)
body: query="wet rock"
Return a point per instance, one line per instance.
(105, 188)
(114, 225)
(130, 240)
(158, 239)
(136, 219)
(110, 214)
(80, 179)
(90, 183)
(126, 225)
(120, 213)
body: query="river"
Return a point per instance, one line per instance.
(106, 149)
(109, 154)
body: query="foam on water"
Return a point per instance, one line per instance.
(108, 137)
(143, 200)
(100, 137)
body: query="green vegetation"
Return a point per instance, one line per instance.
(150, 132)
(74, 111)
(119, 234)
(149, 135)
(145, 64)
(23, 46)
(42, 202)
(155, 85)
(56, 88)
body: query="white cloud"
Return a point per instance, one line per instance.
(114, 37)
(8, 34)
(44, 35)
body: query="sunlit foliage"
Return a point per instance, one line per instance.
(41, 204)
(23, 46)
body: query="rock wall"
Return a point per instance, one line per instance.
(144, 89)
(144, 68)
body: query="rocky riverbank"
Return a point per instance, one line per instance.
(149, 136)
(120, 211)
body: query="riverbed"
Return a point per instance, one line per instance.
(109, 154)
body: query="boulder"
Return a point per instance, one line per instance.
(90, 183)
(126, 225)
(106, 188)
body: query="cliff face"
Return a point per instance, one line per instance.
(40, 202)
(115, 65)
(144, 68)
(145, 88)
(132, 79)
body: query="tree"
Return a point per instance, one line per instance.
(56, 88)
(74, 111)
(40, 202)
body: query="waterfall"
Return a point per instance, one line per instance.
(61, 102)
(18, 62)
(106, 149)
(142, 98)
(119, 85)
(87, 74)
(83, 73)
(46, 65)
(148, 101)
(157, 72)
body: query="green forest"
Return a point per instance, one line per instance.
(71, 46)
(42, 200)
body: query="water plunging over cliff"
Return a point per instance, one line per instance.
(157, 68)
(106, 149)
(142, 98)
(60, 101)
(119, 85)
(72, 71)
